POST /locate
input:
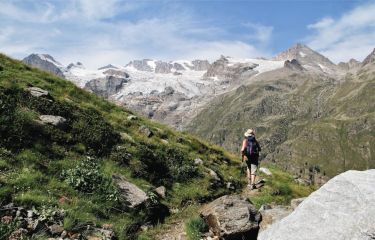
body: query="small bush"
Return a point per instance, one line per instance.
(195, 227)
(121, 156)
(86, 177)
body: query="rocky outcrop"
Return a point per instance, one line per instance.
(163, 67)
(107, 86)
(130, 195)
(141, 65)
(223, 70)
(201, 65)
(342, 209)
(232, 217)
(45, 62)
(293, 65)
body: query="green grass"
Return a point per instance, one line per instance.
(195, 227)
(34, 158)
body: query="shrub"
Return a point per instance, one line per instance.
(86, 177)
(90, 128)
(195, 227)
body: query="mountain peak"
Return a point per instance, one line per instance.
(306, 57)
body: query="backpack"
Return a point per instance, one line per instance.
(251, 147)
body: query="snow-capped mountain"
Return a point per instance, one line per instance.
(45, 62)
(173, 92)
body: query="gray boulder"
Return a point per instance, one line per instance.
(343, 208)
(232, 217)
(52, 120)
(161, 191)
(145, 131)
(37, 92)
(130, 195)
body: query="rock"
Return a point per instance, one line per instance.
(130, 195)
(64, 234)
(18, 234)
(213, 174)
(132, 117)
(37, 92)
(30, 213)
(34, 225)
(161, 191)
(6, 219)
(232, 217)
(145, 131)
(293, 65)
(343, 208)
(272, 215)
(295, 202)
(265, 171)
(56, 230)
(198, 161)
(53, 120)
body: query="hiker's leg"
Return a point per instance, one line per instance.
(248, 175)
(253, 173)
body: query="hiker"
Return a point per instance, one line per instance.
(250, 154)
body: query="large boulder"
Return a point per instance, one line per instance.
(130, 195)
(272, 215)
(344, 208)
(232, 217)
(37, 92)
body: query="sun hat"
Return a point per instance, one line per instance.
(249, 132)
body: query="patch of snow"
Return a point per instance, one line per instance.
(302, 54)
(48, 58)
(152, 64)
(263, 64)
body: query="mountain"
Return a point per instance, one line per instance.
(306, 120)
(308, 58)
(77, 166)
(45, 62)
(170, 92)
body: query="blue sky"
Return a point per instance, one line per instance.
(117, 31)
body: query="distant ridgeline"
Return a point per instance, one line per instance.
(312, 123)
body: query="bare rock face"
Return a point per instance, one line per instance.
(163, 67)
(232, 217)
(141, 65)
(369, 59)
(293, 64)
(107, 86)
(349, 65)
(45, 62)
(130, 195)
(341, 209)
(201, 65)
(223, 70)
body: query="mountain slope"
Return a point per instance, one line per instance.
(306, 120)
(63, 151)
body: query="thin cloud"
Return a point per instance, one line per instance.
(350, 36)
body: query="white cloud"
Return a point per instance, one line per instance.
(100, 32)
(350, 36)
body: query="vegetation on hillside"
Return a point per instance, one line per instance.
(48, 168)
(306, 122)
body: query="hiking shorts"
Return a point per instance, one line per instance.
(252, 164)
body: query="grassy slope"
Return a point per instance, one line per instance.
(33, 157)
(300, 119)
